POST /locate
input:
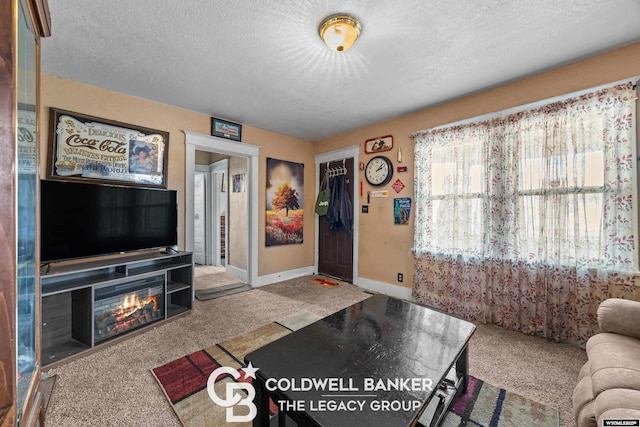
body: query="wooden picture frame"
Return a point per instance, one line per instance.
(379, 144)
(226, 129)
(87, 148)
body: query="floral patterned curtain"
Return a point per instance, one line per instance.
(526, 220)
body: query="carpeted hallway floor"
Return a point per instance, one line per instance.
(213, 276)
(114, 386)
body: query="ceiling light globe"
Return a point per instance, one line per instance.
(339, 32)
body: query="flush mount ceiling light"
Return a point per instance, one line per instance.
(339, 32)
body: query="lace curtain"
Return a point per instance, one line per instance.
(526, 220)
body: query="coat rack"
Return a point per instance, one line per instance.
(336, 171)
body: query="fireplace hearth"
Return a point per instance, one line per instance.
(122, 308)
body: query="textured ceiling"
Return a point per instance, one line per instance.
(263, 64)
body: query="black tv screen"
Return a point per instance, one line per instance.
(83, 219)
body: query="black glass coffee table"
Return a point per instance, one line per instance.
(380, 362)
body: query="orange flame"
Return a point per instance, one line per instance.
(132, 303)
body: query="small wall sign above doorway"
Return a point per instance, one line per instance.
(225, 129)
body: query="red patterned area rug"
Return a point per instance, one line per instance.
(184, 382)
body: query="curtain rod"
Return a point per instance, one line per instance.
(531, 105)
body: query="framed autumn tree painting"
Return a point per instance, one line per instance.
(284, 204)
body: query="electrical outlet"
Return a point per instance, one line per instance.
(400, 277)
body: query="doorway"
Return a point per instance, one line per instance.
(199, 218)
(347, 248)
(218, 176)
(249, 154)
(210, 209)
(335, 242)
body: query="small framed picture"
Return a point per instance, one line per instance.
(238, 183)
(376, 145)
(225, 129)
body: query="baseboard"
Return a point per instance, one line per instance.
(239, 273)
(268, 279)
(385, 288)
(366, 284)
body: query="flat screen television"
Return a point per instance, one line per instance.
(81, 220)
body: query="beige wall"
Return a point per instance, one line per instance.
(385, 249)
(206, 158)
(90, 100)
(291, 150)
(238, 217)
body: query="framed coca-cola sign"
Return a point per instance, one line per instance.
(86, 148)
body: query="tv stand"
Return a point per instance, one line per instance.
(88, 303)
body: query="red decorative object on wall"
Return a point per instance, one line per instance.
(398, 186)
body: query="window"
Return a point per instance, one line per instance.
(543, 185)
(526, 220)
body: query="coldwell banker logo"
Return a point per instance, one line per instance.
(338, 394)
(232, 397)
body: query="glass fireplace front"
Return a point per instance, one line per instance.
(121, 308)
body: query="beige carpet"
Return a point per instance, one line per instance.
(213, 276)
(115, 387)
(201, 270)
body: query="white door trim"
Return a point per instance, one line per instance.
(205, 229)
(332, 156)
(214, 208)
(196, 141)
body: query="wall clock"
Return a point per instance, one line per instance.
(378, 171)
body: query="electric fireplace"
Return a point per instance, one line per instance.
(121, 308)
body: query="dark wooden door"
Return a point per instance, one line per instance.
(335, 246)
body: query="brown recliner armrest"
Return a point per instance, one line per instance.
(620, 316)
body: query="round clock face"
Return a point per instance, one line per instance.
(379, 171)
